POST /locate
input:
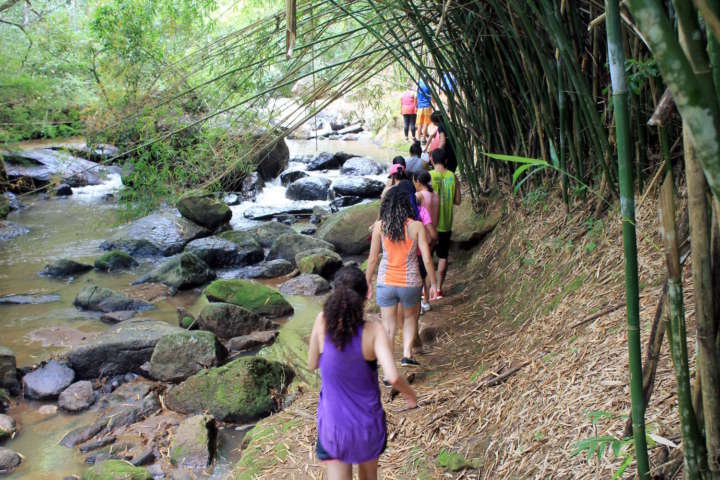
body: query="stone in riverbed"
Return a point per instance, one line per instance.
(252, 341)
(289, 245)
(77, 397)
(122, 349)
(227, 320)
(9, 460)
(320, 261)
(64, 268)
(264, 233)
(63, 190)
(4, 206)
(205, 210)
(239, 391)
(256, 297)
(101, 299)
(308, 188)
(306, 284)
(116, 317)
(115, 260)
(289, 176)
(194, 443)
(8, 371)
(30, 299)
(361, 166)
(271, 269)
(163, 233)
(180, 355)
(8, 427)
(83, 433)
(48, 381)
(185, 271)
(342, 202)
(219, 252)
(116, 470)
(10, 230)
(358, 187)
(348, 230)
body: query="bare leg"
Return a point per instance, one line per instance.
(442, 270)
(368, 470)
(410, 328)
(339, 471)
(389, 321)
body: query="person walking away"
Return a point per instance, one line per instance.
(350, 418)
(427, 202)
(415, 164)
(398, 177)
(445, 184)
(398, 275)
(424, 109)
(408, 109)
(439, 139)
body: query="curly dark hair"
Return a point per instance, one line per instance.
(395, 210)
(343, 310)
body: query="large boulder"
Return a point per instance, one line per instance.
(324, 161)
(65, 268)
(205, 210)
(290, 244)
(194, 442)
(100, 299)
(48, 381)
(8, 371)
(256, 297)
(264, 233)
(240, 391)
(269, 269)
(185, 271)
(361, 166)
(115, 260)
(289, 176)
(116, 470)
(252, 340)
(227, 250)
(164, 233)
(179, 355)
(273, 158)
(227, 320)
(358, 187)
(469, 227)
(120, 350)
(320, 261)
(307, 284)
(9, 460)
(348, 231)
(308, 188)
(77, 397)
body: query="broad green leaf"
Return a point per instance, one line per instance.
(518, 171)
(626, 463)
(553, 156)
(517, 159)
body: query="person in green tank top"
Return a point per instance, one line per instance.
(445, 184)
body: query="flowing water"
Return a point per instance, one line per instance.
(73, 227)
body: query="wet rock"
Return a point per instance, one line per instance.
(271, 269)
(116, 470)
(95, 444)
(164, 233)
(360, 167)
(143, 457)
(30, 169)
(204, 210)
(288, 245)
(83, 433)
(308, 188)
(9, 460)
(48, 381)
(120, 350)
(270, 213)
(264, 234)
(4, 206)
(129, 404)
(348, 230)
(182, 354)
(63, 190)
(227, 320)
(252, 341)
(194, 443)
(8, 371)
(180, 273)
(252, 184)
(324, 161)
(256, 297)
(30, 299)
(307, 158)
(306, 284)
(272, 159)
(115, 260)
(4, 400)
(224, 251)
(342, 202)
(77, 397)
(308, 231)
(48, 410)
(320, 261)
(95, 153)
(239, 391)
(231, 199)
(186, 319)
(8, 427)
(116, 317)
(65, 268)
(100, 299)
(289, 176)
(12, 201)
(148, 292)
(10, 230)
(358, 187)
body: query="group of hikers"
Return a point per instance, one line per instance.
(415, 221)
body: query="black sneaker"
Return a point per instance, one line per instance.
(409, 362)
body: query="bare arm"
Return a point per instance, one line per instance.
(458, 195)
(315, 341)
(373, 257)
(443, 139)
(432, 233)
(386, 361)
(427, 259)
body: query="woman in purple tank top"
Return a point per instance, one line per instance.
(351, 419)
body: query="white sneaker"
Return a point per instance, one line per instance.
(424, 306)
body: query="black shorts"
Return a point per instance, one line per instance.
(443, 246)
(421, 265)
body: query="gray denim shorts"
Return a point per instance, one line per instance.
(389, 296)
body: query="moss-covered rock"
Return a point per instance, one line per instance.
(116, 470)
(180, 355)
(287, 246)
(205, 210)
(348, 230)
(186, 270)
(194, 443)
(239, 391)
(264, 233)
(4, 206)
(469, 227)
(64, 268)
(319, 261)
(115, 260)
(8, 371)
(256, 297)
(227, 320)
